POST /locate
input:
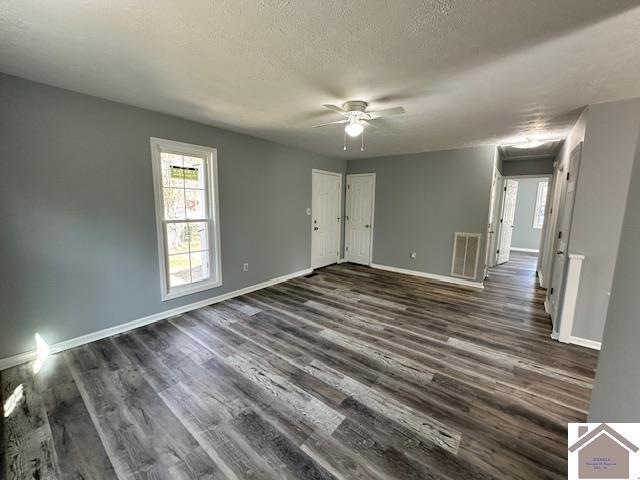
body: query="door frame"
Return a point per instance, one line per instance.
(546, 228)
(340, 212)
(558, 291)
(494, 214)
(549, 177)
(373, 211)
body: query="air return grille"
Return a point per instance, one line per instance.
(466, 250)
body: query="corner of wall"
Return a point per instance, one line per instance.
(610, 132)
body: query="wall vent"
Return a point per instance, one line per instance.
(466, 251)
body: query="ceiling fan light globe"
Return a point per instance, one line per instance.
(354, 129)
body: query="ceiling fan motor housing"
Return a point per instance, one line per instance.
(356, 108)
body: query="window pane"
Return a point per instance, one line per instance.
(174, 205)
(187, 244)
(196, 205)
(541, 201)
(200, 266)
(177, 238)
(198, 233)
(172, 170)
(194, 172)
(179, 273)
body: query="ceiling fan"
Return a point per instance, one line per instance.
(356, 118)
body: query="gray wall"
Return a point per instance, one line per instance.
(78, 246)
(524, 235)
(422, 199)
(530, 166)
(617, 383)
(609, 147)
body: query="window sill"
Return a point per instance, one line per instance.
(190, 289)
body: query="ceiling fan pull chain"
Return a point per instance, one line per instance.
(344, 147)
(362, 142)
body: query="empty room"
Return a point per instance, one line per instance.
(319, 240)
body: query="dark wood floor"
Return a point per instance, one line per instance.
(350, 373)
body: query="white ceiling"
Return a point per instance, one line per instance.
(467, 72)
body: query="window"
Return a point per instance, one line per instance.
(541, 204)
(186, 197)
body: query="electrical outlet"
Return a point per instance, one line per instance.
(245, 267)
(413, 255)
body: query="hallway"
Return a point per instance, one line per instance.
(517, 279)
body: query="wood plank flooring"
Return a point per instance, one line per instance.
(350, 373)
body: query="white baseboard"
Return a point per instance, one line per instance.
(584, 342)
(529, 250)
(140, 322)
(432, 276)
(17, 360)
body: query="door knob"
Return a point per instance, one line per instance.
(367, 226)
(560, 252)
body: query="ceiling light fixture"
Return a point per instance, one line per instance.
(354, 127)
(529, 143)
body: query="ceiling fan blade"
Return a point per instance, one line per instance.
(386, 112)
(369, 125)
(330, 123)
(335, 108)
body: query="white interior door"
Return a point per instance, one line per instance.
(325, 214)
(359, 218)
(494, 220)
(506, 221)
(564, 229)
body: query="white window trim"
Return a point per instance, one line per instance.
(211, 158)
(536, 213)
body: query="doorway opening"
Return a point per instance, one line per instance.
(522, 218)
(520, 224)
(520, 207)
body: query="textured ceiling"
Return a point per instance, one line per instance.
(467, 72)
